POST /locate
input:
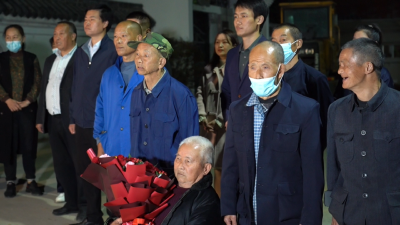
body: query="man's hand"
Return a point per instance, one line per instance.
(334, 222)
(40, 128)
(117, 222)
(100, 150)
(72, 128)
(24, 104)
(13, 105)
(230, 220)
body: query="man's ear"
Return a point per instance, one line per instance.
(73, 37)
(299, 43)
(369, 68)
(207, 168)
(105, 24)
(162, 62)
(260, 19)
(139, 37)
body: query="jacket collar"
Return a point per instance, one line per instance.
(164, 81)
(202, 184)
(285, 94)
(375, 101)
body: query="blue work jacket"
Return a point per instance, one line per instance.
(290, 174)
(111, 123)
(161, 120)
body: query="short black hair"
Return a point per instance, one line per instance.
(20, 30)
(105, 14)
(259, 8)
(51, 40)
(366, 50)
(145, 20)
(372, 31)
(293, 29)
(71, 26)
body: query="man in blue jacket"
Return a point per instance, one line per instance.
(111, 124)
(163, 110)
(250, 16)
(91, 60)
(272, 170)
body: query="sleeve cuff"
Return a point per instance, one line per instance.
(5, 98)
(327, 198)
(98, 141)
(29, 99)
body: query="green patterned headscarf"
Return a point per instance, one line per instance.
(157, 41)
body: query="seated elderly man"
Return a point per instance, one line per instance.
(195, 201)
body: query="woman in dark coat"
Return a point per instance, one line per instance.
(194, 200)
(19, 88)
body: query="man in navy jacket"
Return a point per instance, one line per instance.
(272, 167)
(91, 60)
(250, 16)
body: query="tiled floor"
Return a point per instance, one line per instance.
(25, 209)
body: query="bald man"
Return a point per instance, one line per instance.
(111, 125)
(272, 155)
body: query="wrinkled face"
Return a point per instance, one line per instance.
(262, 63)
(188, 165)
(12, 34)
(353, 74)
(93, 24)
(244, 21)
(122, 35)
(222, 45)
(63, 39)
(282, 36)
(359, 34)
(148, 60)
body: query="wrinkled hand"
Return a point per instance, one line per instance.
(40, 128)
(13, 105)
(117, 222)
(100, 150)
(24, 104)
(72, 128)
(334, 222)
(230, 220)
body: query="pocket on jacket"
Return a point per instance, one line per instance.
(345, 147)
(290, 200)
(386, 145)
(286, 137)
(336, 208)
(163, 125)
(135, 120)
(394, 205)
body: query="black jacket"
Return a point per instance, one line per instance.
(65, 92)
(199, 205)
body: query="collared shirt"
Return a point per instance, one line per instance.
(244, 56)
(148, 91)
(363, 157)
(55, 78)
(161, 120)
(93, 49)
(259, 113)
(127, 70)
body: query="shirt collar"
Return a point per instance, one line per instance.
(251, 46)
(95, 46)
(375, 101)
(58, 52)
(148, 91)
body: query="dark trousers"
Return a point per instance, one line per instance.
(84, 141)
(21, 138)
(63, 148)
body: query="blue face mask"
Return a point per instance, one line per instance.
(287, 51)
(54, 50)
(14, 46)
(265, 87)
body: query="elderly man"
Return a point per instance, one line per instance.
(302, 78)
(195, 200)
(363, 142)
(53, 113)
(272, 170)
(111, 124)
(163, 110)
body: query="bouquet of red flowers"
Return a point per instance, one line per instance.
(136, 191)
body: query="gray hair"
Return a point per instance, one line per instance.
(205, 146)
(366, 50)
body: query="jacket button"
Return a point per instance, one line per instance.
(122, 128)
(341, 140)
(147, 109)
(146, 126)
(144, 143)
(120, 87)
(363, 132)
(122, 107)
(364, 175)
(239, 96)
(363, 153)
(365, 195)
